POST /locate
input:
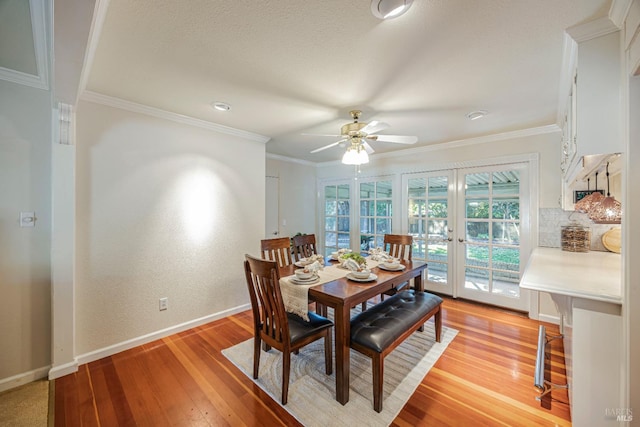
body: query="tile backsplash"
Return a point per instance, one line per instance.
(551, 219)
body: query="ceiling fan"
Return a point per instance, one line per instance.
(357, 134)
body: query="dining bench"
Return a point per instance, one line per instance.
(379, 330)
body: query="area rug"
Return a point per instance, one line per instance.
(312, 393)
(27, 405)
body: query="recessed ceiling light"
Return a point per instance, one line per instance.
(387, 9)
(475, 115)
(221, 106)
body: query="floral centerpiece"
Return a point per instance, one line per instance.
(355, 257)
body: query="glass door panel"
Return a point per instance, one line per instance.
(337, 228)
(489, 252)
(428, 202)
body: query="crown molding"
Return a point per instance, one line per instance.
(99, 16)
(110, 101)
(592, 29)
(618, 11)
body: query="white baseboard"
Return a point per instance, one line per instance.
(126, 345)
(549, 319)
(23, 378)
(62, 370)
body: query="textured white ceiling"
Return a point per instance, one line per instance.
(298, 66)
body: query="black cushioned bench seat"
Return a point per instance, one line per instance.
(379, 330)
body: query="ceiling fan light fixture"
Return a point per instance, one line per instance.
(355, 155)
(221, 106)
(388, 9)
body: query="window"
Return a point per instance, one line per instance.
(375, 213)
(336, 217)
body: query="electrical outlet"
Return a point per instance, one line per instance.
(164, 303)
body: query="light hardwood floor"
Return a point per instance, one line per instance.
(485, 377)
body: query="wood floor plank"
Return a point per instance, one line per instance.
(485, 377)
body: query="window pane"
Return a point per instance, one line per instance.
(367, 208)
(506, 258)
(330, 192)
(417, 187)
(507, 284)
(438, 208)
(343, 241)
(437, 252)
(367, 242)
(476, 279)
(438, 186)
(343, 223)
(478, 208)
(437, 272)
(330, 239)
(383, 190)
(477, 184)
(419, 249)
(330, 207)
(379, 241)
(417, 207)
(437, 229)
(343, 207)
(506, 182)
(477, 256)
(367, 225)
(330, 223)
(383, 225)
(383, 208)
(417, 226)
(367, 190)
(506, 208)
(478, 231)
(343, 191)
(506, 233)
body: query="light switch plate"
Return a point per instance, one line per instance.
(27, 219)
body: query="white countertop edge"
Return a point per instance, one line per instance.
(615, 299)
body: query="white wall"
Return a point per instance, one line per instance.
(163, 210)
(297, 195)
(25, 276)
(546, 145)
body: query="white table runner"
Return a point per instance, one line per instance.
(296, 297)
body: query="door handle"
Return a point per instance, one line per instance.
(450, 239)
(275, 233)
(461, 240)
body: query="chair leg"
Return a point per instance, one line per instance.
(256, 356)
(286, 367)
(377, 367)
(328, 353)
(364, 306)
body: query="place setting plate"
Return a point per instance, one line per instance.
(398, 268)
(371, 278)
(309, 281)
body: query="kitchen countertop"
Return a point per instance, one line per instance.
(591, 275)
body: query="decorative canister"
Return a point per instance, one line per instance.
(576, 238)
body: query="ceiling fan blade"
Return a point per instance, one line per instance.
(333, 144)
(374, 126)
(398, 139)
(317, 134)
(367, 147)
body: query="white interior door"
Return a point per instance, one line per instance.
(272, 207)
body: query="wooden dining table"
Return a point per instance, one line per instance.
(344, 294)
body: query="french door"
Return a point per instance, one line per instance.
(470, 225)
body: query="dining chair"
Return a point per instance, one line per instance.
(272, 324)
(398, 246)
(304, 246)
(278, 249)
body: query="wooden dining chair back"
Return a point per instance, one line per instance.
(304, 246)
(398, 246)
(278, 250)
(275, 327)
